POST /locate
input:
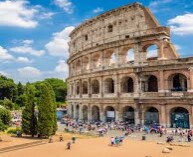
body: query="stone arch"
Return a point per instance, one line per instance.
(95, 87)
(177, 82)
(109, 85)
(128, 114)
(179, 117)
(110, 114)
(77, 109)
(85, 113)
(85, 87)
(77, 88)
(110, 57)
(78, 66)
(151, 50)
(110, 28)
(151, 116)
(126, 55)
(85, 62)
(96, 60)
(127, 85)
(150, 83)
(95, 113)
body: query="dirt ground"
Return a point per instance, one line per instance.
(99, 147)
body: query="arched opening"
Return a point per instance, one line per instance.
(109, 85)
(110, 114)
(149, 84)
(85, 87)
(95, 87)
(71, 89)
(85, 113)
(77, 88)
(110, 28)
(96, 60)
(130, 56)
(129, 115)
(95, 113)
(72, 111)
(77, 112)
(85, 63)
(78, 66)
(152, 52)
(179, 117)
(113, 59)
(152, 84)
(86, 37)
(151, 116)
(178, 82)
(127, 85)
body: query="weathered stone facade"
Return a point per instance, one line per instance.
(106, 83)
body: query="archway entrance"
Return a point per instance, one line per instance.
(129, 115)
(179, 118)
(110, 114)
(95, 113)
(85, 113)
(151, 116)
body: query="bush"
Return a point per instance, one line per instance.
(13, 130)
(3, 127)
(5, 116)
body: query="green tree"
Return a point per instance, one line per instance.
(21, 100)
(7, 88)
(5, 116)
(20, 89)
(46, 118)
(29, 120)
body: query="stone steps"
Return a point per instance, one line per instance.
(21, 146)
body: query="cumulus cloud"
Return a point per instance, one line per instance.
(156, 5)
(23, 60)
(4, 73)
(58, 46)
(17, 13)
(61, 67)
(46, 15)
(66, 5)
(98, 10)
(182, 24)
(4, 55)
(29, 72)
(27, 48)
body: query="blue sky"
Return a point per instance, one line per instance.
(34, 33)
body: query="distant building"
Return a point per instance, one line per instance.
(115, 76)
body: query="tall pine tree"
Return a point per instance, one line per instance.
(29, 120)
(46, 107)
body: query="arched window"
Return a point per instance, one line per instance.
(151, 116)
(178, 82)
(78, 88)
(109, 85)
(85, 63)
(86, 37)
(127, 85)
(110, 28)
(152, 52)
(95, 87)
(130, 55)
(152, 84)
(96, 60)
(85, 87)
(113, 58)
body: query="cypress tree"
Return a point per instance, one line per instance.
(29, 120)
(46, 120)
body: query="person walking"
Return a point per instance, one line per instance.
(68, 145)
(73, 139)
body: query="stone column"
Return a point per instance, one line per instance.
(136, 86)
(191, 80)
(101, 84)
(89, 88)
(80, 112)
(162, 117)
(161, 51)
(81, 88)
(89, 112)
(191, 116)
(102, 114)
(161, 81)
(137, 117)
(168, 124)
(117, 86)
(74, 114)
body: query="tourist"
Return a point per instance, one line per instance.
(61, 138)
(170, 139)
(112, 141)
(116, 140)
(73, 139)
(68, 145)
(50, 140)
(189, 135)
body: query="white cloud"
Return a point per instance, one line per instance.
(4, 73)
(23, 60)
(46, 15)
(17, 13)
(29, 72)
(156, 5)
(98, 10)
(62, 67)
(4, 55)
(27, 48)
(66, 5)
(58, 46)
(178, 47)
(182, 24)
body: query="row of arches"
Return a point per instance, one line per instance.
(110, 57)
(149, 83)
(179, 116)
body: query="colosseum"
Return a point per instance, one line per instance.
(123, 67)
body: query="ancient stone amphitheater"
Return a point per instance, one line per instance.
(123, 67)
